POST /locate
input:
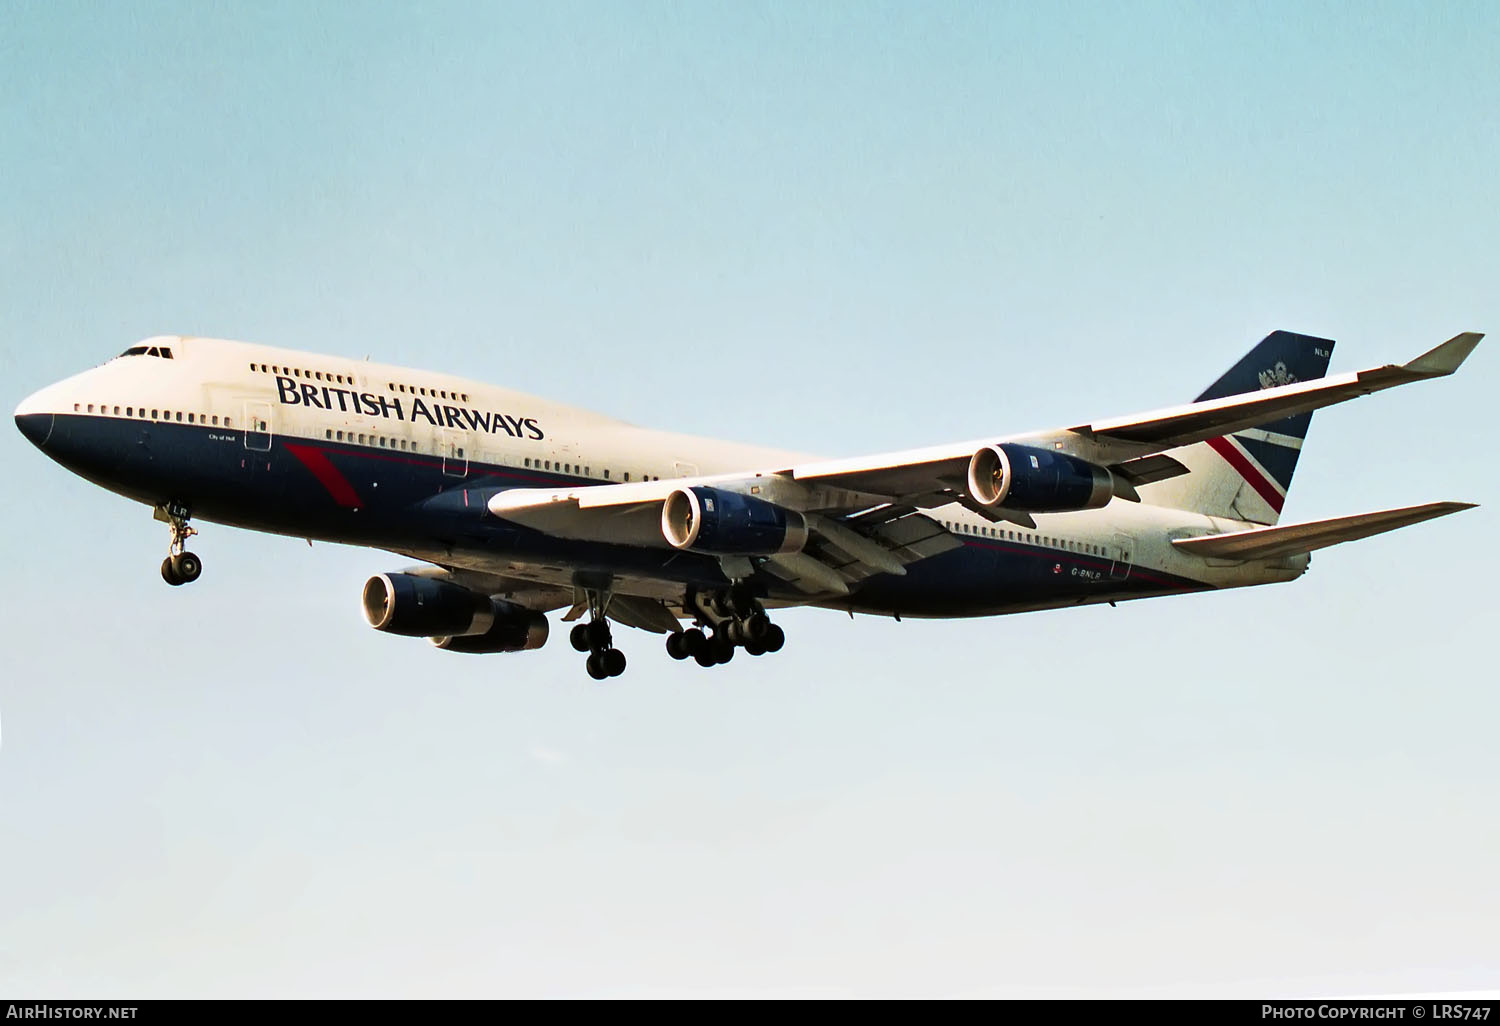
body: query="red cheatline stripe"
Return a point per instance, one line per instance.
(1236, 459)
(327, 474)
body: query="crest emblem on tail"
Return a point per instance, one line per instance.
(1276, 376)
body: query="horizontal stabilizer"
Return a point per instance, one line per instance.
(1271, 542)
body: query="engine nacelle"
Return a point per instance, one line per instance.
(1031, 480)
(730, 524)
(515, 629)
(421, 607)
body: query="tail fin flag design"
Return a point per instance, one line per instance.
(1246, 475)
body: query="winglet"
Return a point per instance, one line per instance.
(1446, 358)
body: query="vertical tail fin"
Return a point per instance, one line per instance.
(1246, 475)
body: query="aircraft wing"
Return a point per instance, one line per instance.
(1120, 442)
(846, 544)
(1286, 540)
(626, 514)
(864, 514)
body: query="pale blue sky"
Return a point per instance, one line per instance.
(838, 228)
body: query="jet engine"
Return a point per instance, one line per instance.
(1031, 480)
(515, 629)
(704, 519)
(454, 617)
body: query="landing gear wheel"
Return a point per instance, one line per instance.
(596, 666)
(578, 637)
(757, 625)
(677, 646)
(598, 633)
(723, 648)
(694, 641)
(188, 566)
(774, 639)
(705, 657)
(180, 566)
(613, 661)
(753, 647)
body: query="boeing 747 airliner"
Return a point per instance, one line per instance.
(518, 506)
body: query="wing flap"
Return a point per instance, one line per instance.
(644, 613)
(807, 574)
(907, 533)
(1272, 542)
(859, 550)
(1144, 470)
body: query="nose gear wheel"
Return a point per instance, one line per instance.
(181, 566)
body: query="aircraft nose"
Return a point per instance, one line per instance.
(34, 422)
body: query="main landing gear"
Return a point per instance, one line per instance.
(725, 621)
(180, 566)
(735, 619)
(594, 638)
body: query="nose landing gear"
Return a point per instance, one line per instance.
(180, 567)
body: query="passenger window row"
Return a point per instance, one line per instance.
(347, 379)
(298, 372)
(431, 393)
(565, 468)
(212, 420)
(1036, 539)
(574, 468)
(381, 441)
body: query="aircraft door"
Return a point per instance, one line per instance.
(455, 455)
(258, 431)
(1119, 567)
(258, 427)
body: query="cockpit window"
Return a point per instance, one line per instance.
(161, 351)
